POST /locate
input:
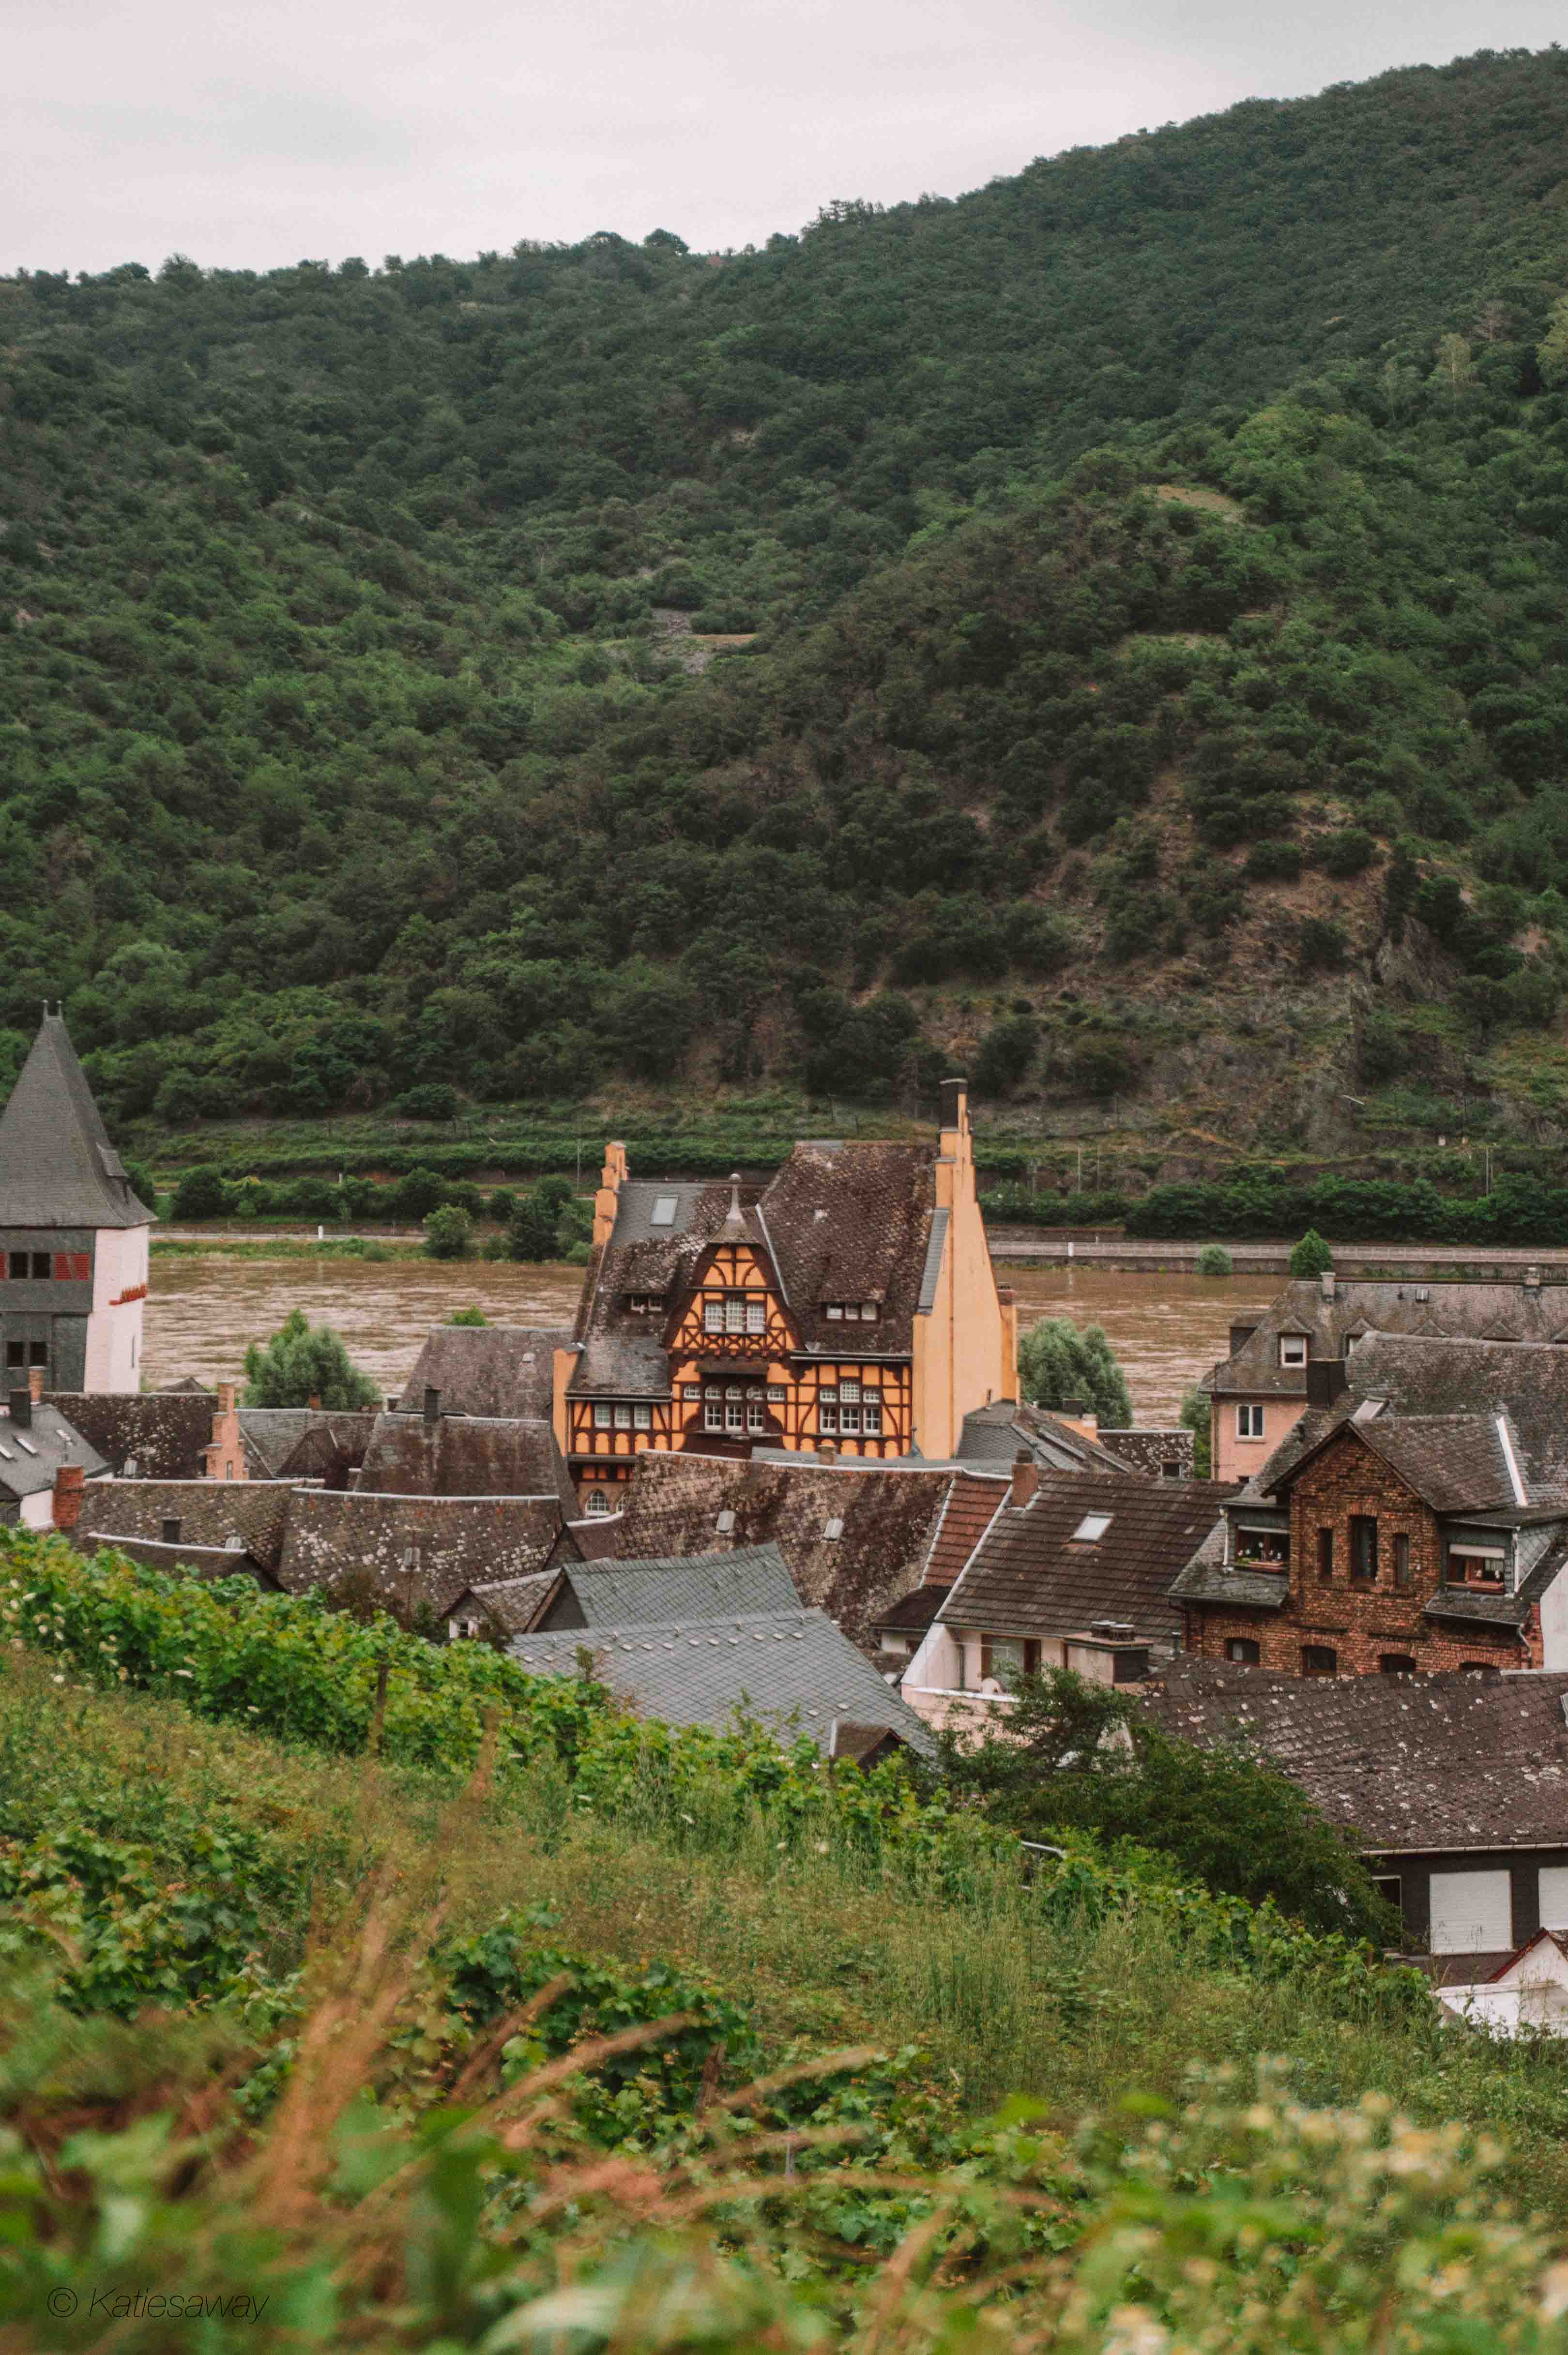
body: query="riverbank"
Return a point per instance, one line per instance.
(1017, 1248)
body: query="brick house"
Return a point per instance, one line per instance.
(1280, 1365)
(1381, 1542)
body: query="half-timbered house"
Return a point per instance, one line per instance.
(846, 1309)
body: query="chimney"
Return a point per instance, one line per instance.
(1026, 1479)
(1325, 1283)
(432, 1406)
(170, 1527)
(36, 1384)
(22, 1409)
(1080, 1416)
(68, 1483)
(1326, 1380)
(227, 1392)
(825, 1452)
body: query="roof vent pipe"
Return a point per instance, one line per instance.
(1026, 1478)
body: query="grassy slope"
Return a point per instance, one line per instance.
(822, 1954)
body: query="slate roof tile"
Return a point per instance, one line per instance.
(792, 1670)
(207, 1511)
(30, 1458)
(464, 1456)
(57, 1167)
(460, 1542)
(1455, 1310)
(1412, 1763)
(163, 1432)
(493, 1370)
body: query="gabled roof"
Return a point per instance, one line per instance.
(205, 1562)
(1453, 1462)
(57, 1167)
(1439, 1309)
(883, 1516)
(162, 1433)
(208, 1512)
(30, 1458)
(464, 1456)
(1033, 1575)
(510, 1603)
(792, 1670)
(457, 1541)
(303, 1442)
(838, 1223)
(1526, 1381)
(492, 1370)
(697, 1586)
(994, 1435)
(1416, 1762)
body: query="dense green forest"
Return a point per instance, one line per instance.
(1143, 589)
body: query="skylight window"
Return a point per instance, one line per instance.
(835, 1528)
(25, 1444)
(664, 1210)
(1091, 1529)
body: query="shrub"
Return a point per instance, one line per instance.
(1213, 1260)
(1273, 862)
(201, 1194)
(1006, 1053)
(302, 1361)
(415, 1196)
(435, 1100)
(472, 1316)
(1059, 1365)
(1345, 852)
(1311, 1256)
(448, 1233)
(1323, 945)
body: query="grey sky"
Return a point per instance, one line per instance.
(253, 132)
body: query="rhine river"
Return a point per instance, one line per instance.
(202, 1312)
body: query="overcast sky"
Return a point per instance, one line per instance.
(254, 132)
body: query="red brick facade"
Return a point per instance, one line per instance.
(1360, 1621)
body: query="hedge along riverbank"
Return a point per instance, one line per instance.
(1517, 1210)
(290, 1667)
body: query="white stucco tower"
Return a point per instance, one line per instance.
(73, 1236)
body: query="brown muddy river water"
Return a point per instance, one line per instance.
(202, 1313)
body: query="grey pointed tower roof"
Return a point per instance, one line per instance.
(57, 1167)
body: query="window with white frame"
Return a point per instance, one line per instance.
(691, 1389)
(734, 1313)
(756, 1414)
(713, 1316)
(849, 1390)
(1249, 1422)
(850, 1419)
(868, 1311)
(601, 1418)
(623, 1418)
(598, 1503)
(643, 1418)
(826, 1418)
(833, 1311)
(777, 1394)
(1293, 1348)
(872, 1416)
(713, 1414)
(756, 1315)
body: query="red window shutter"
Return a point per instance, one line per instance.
(81, 1267)
(62, 1267)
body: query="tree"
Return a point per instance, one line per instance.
(1311, 1256)
(1551, 352)
(448, 1233)
(201, 1194)
(302, 1361)
(1081, 1756)
(531, 1233)
(1213, 1260)
(1197, 1418)
(1059, 1365)
(1006, 1053)
(1454, 374)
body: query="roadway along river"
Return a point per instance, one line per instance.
(202, 1312)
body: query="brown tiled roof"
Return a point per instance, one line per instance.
(162, 1432)
(1526, 1381)
(511, 1604)
(994, 1435)
(208, 1563)
(912, 1613)
(492, 1370)
(972, 1503)
(852, 1222)
(888, 1516)
(461, 1542)
(838, 1222)
(1031, 1576)
(330, 1446)
(1440, 1762)
(1455, 1462)
(464, 1456)
(1452, 1310)
(208, 1512)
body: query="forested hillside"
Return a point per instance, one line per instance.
(1137, 601)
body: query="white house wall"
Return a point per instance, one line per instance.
(114, 1326)
(1554, 1624)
